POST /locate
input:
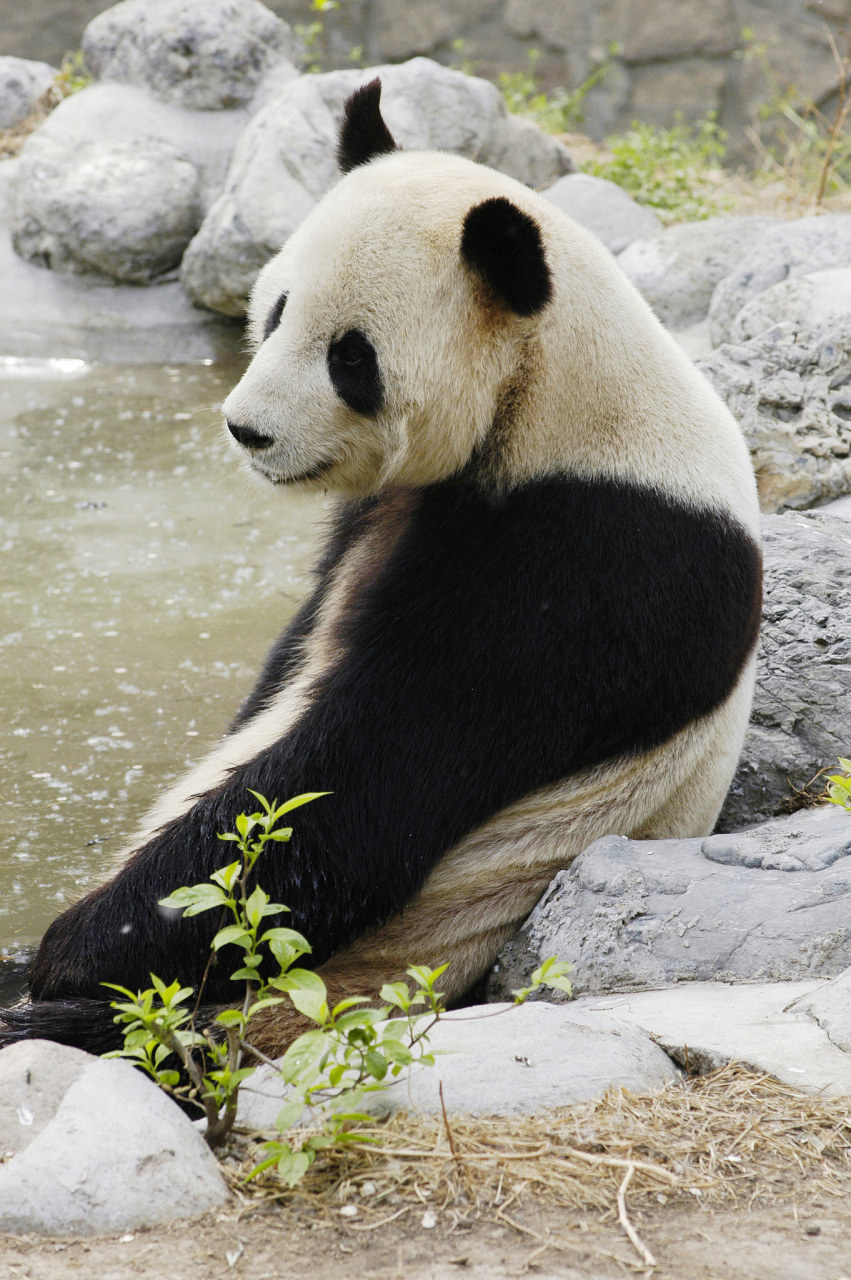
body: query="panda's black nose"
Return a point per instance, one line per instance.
(249, 438)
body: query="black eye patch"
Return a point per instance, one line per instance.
(274, 317)
(354, 372)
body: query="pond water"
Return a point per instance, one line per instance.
(142, 578)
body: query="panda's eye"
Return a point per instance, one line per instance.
(354, 372)
(274, 317)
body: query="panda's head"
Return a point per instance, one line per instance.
(392, 325)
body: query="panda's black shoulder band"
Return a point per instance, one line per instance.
(363, 133)
(503, 245)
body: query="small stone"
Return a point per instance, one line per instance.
(604, 208)
(429, 1219)
(106, 1151)
(349, 1211)
(21, 85)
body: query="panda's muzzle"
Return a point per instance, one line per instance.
(248, 437)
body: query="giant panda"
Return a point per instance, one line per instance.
(534, 621)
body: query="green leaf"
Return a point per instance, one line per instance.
(194, 900)
(290, 936)
(289, 1114)
(376, 1064)
(294, 1165)
(349, 1003)
(397, 994)
(254, 906)
(230, 1018)
(234, 933)
(311, 1004)
(227, 876)
(296, 802)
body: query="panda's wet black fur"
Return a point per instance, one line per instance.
(510, 636)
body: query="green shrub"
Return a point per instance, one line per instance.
(666, 169)
(350, 1051)
(559, 111)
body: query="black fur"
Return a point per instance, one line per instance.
(274, 317)
(503, 245)
(363, 133)
(354, 372)
(507, 641)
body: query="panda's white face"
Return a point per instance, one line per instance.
(430, 310)
(375, 361)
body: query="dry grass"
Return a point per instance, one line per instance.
(730, 1138)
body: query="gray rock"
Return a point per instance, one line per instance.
(803, 301)
(785, 251)
(21, 85)
(801, 719)
(93, 1146)
(839, 507)
(117, 183)
(790, 390)
(285, 161)
(124, 209)
(201, 54)
(678, 269)
(705, 1025)
(604, 208)
(830, 1006)
(770, 903)
(81, 318)
(524, 1060)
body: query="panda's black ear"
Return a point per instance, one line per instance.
(363, 133)
(503, 244)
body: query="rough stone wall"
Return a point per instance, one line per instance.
(677, 55)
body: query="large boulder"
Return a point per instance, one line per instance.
(604, 208)
(790, 390)
(803, 301)
(766, 1027)
(801, 720)
(509, 1061)
(788, 250)
(285, 161)
(81, 316)
(201, 54)
(117, 183)
(678, 269)
(21, 85)
(772, 903)
(95, 1147)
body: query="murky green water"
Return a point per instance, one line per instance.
(142, 578)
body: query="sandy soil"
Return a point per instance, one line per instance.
(806, 1239)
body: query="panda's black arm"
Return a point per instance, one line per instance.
(506, 644)
(285, 657)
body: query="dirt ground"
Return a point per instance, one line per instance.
(807, 1239)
